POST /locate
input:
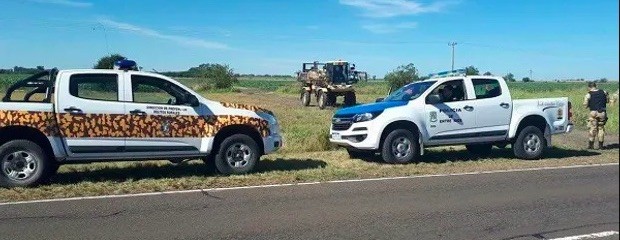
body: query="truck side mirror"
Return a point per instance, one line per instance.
(192, 100)
(380, 99)
(433, 99)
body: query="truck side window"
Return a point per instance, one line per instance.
(451, 91)
(486, 88)
(94, 86)
(153, 90)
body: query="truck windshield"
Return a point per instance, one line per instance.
(409, 91)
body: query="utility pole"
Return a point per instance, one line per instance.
(530, 74)
(452, 44)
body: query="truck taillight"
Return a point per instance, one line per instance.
(570, 111)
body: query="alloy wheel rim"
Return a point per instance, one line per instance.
(19, 165)
(532, 143)
(238, 155)
(401, 147)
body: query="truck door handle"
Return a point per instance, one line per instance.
(137, 112)
(504, 105)
(468, 108)
(73, 110)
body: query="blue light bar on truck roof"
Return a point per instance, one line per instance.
(125, 65)
(457, 72)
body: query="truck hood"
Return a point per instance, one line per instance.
(370, 107)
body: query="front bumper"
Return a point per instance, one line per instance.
(272, 143)
(360, 135)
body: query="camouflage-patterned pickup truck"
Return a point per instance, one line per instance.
(80, 116)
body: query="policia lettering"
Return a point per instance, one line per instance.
(596, 100)
(118, 125)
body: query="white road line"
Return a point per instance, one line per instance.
(302, 184)
(589, 236)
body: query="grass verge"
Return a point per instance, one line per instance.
(139, 177)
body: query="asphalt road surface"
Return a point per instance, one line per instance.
(543, 204)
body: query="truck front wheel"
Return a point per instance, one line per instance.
(349, 99)
(530, 144)
(400, 147)
(22, 164)
(322, 99)
(237, 154)
(305, 98)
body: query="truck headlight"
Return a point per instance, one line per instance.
(363, 117)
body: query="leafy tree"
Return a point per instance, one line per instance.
(40, 68)
(526, 79)
(107, 62)
(510, 77)
(488, 74)
(402, 75)
(471, 70)
(222, 76)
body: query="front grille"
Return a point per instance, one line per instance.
(341, 124)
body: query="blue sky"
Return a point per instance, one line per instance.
(553, 38)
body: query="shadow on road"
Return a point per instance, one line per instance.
(464, 155)
(289, 165)
(154, 170)
(443, 156)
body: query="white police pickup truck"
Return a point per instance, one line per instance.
(475, 111)
(79, 116)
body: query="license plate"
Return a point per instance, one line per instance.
(336, 136)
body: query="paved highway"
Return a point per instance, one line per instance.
(543, 204)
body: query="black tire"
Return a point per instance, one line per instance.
(23, 164)
(322, 100)
(360, 154)
(331, 99)
(240, 149)
(530, 144)
(305, 98)
(391, 151)
(350, 99)
(480, 149)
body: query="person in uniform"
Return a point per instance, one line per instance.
(596, 101)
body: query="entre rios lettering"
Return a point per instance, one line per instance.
(166, 110)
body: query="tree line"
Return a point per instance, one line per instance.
(223, 76)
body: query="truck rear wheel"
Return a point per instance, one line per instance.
(331, 99)
(349, 99)
(305, 98)
(22, 164)
(400, 147)
(322, 100)
(237, 154)
(530, 144)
